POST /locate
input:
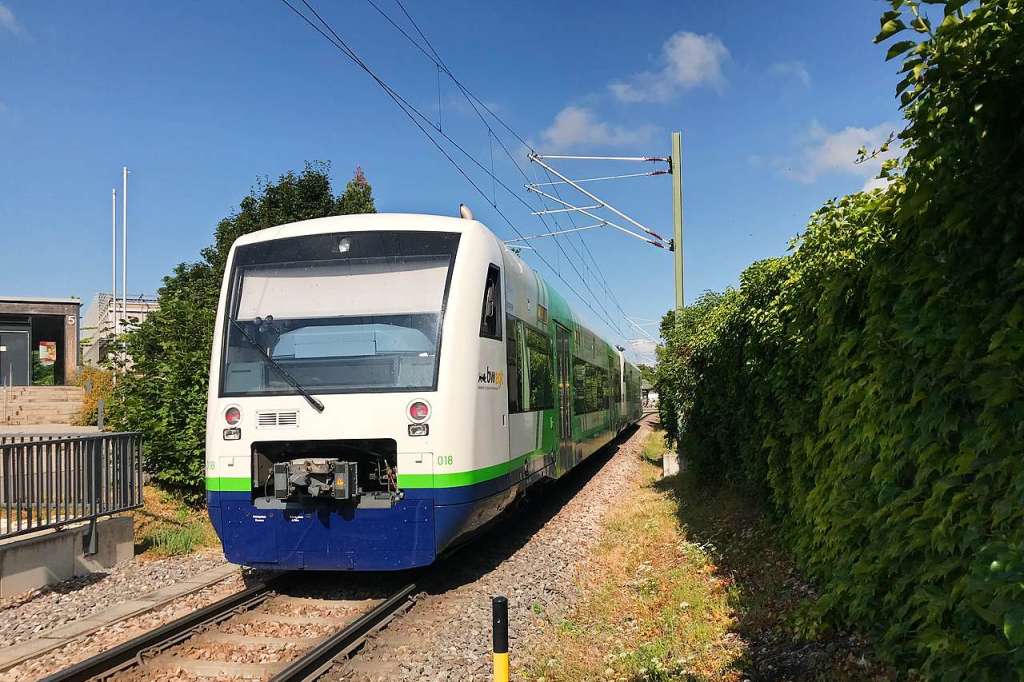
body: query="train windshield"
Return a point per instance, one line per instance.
(339, 313)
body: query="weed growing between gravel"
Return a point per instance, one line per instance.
(654, 447)
(691, 583)
(653, 607)
(166, 526)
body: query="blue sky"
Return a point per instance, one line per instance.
(199, 99)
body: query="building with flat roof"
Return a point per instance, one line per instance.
(38, 340)
(99, 323)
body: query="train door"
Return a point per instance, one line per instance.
(565, 448)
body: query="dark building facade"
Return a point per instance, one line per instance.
(38, 340)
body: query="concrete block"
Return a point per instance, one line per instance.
(75, 628)
(36, 561)
(127, 608)
(116, 543)
(169, 591)
(669, 464)
(52, 556)
(14, 653)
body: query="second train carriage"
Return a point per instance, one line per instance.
(383, 385)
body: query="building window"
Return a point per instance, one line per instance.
(490, 317)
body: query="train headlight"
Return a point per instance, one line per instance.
(232, 415)
(419, 411)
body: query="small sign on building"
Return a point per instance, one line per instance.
(47, 352)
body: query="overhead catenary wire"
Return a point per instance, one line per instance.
(470, 97)
(536, 157)
(604, 282)
(585, 210)
(555, 234)
(569, 157)
(474, 101)
(604, 177)
(412, 113)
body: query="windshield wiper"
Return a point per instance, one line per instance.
(316, 404)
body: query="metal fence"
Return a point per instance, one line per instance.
(49, 480)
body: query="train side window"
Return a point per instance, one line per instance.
(515, 366)
(579, 376)
(542, 393)
(490, 317)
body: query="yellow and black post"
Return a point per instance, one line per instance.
(499, 624)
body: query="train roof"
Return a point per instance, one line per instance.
(423, 222)
(363, 222)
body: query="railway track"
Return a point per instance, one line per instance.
(261, 633)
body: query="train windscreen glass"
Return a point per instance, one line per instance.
(340, 313)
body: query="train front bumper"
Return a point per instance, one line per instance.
(328, 537)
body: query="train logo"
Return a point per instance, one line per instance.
(490, 378)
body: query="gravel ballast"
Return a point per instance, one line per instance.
(121, 631)
(530, 557)
(30, 615)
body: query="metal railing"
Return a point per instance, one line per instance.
(50, 480)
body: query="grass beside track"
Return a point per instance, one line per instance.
(690, 583)
(166, 526)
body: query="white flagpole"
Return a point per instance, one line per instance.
(124, 248)
(113, 261)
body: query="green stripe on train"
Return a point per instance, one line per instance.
(226, 484)
(461, 478)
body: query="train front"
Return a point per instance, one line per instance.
(323, 393)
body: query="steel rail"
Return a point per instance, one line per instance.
(309, 666)
(110, 661)
(321, 657)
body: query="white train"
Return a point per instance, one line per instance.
(383, 385)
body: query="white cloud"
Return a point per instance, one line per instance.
(8, 21)
(577, 127)
(824, 152)
(796, 70)
(875, 183)
(643, 346)
(690, 60)
(457, 103)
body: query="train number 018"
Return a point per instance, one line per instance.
(444, 460)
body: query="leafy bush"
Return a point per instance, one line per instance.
(163, 391)
(872, 382)
(100, 385)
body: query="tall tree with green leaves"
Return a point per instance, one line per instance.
(163, 392)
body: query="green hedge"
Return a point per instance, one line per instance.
(872, 381)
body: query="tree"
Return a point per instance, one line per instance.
(358, 197)
(646, 373)
(163, 392)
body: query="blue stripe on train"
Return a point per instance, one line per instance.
(411, 533)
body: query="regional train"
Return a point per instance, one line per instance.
(384, 385)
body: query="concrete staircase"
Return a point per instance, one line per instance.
(34, 405)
